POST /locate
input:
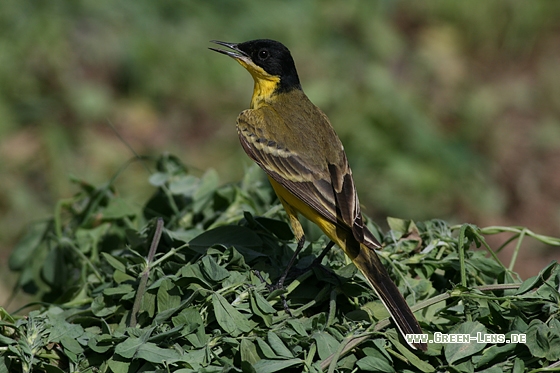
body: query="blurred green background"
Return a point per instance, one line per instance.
(447, 109)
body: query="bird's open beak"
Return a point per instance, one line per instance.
(238, 54)
(243, 58)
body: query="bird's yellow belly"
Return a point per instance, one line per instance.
(293, 203)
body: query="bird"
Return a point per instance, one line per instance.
(293, 141)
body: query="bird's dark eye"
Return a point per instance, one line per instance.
(263, 54)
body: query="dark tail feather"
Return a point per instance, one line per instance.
(370, 265)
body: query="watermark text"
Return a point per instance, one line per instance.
(466, 338)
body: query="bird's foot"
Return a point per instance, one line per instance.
(278, 286)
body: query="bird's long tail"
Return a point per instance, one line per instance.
(370, 265)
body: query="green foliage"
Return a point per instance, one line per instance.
(178, 286)
(446, 109)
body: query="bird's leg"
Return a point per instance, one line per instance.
(316, 262)
(320, 258)
(280, 283)
(301, 242)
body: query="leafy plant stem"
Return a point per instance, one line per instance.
(462, 255)
(348, 343)
(57, 216)
(84, 258)
(336, 355)
(502, 246)
(553, 241)
(476, 231)
(146, 272)
(463, 265)
(332, 308)
(516, 250)
(168, 254)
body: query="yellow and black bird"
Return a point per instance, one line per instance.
(293, 141)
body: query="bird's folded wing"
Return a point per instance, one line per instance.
(291, 171)
(328, 189)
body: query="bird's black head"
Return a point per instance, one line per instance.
(265, 58)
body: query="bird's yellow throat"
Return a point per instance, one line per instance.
(265, 84)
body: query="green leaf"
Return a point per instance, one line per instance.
(158, 178)
(60, 327)
(412, 358)
(119, 365)
(248, 351)
(347, 363)
(278, 346)
(537, 338)
(121, 277)
(265, 349)
(148, 303)
(100, 309)
(326, 344)
(154, 354)
(168, 296)
(184, 235)
(193, 326)
(69, 343)
(495, 352)
(535, 281)
(26, 247)
(195, 358)
(49, 368)
(266, 317)
(203, 195)
(54, 270)
(376, 309)
(114, 262)
(212, 269)
(5, 341)
(129, 347)
(518, 366)
(183, 184)
(528, 284)
(189, 319)
(298, 327)
(118, 209)
(193, 272)
(231, 320)
(493, 369)
(281, 229)
(6, 317)
(553, 340)
(122, 289)
(398, 225)
(488, 266)
(458, 351)
(101, 343)
(379, 351)
(519, 325)
(270, 366)
(227, 235)
(374, 364)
